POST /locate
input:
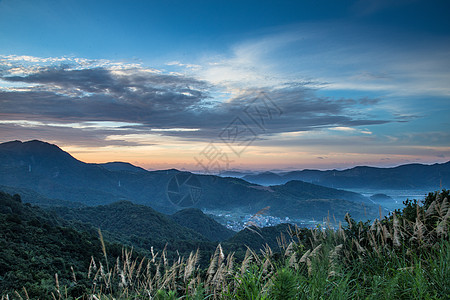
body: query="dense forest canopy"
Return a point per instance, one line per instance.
(37, 244)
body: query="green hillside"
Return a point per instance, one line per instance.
(136, 225)
(404, 256)
(257, 238)
(34, 198)
(196, 220)
(55, 174)
(35, 245)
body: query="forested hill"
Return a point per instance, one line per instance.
(258, 238)
(132, 220)
(196, 220)
(35, 245)
(49, 171)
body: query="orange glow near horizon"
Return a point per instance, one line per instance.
(157, 157)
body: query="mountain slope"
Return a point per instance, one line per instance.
(410, 176)
(196, 220)
(128, 219)
(34, 198)
(48, 170)
(121, 166)
(311, 201)
(55, 174)
(257, 238)
(35, 245)
(304, 190)
(265, 178)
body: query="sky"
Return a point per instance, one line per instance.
(210, 86)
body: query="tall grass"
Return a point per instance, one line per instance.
(404, 256)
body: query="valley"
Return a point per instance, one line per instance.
(48, 195)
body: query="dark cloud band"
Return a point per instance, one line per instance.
(156, 101)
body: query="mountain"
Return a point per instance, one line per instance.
(196, 220)
(257, 238)
(34, 198)
(122, 166)
(236, 174)
(311, 201)
(55, 174)
(265, 178)
(185, 231)
(381, 197)
(410, 176)
(305, 190)
(35, 245)
(128, 219)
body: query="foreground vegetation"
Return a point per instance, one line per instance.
(405, 255)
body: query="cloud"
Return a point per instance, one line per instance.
(337, 56)
(64, 135)
(149, 100)
(101, 94)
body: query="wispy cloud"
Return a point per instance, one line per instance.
(336, 57)
(171, 105)
(88, 103)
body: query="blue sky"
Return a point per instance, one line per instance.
(159, 83)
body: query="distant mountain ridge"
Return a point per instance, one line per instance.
(121, 166)
(55, 174)
(409, 176)
(323, 202)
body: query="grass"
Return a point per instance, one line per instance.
(404, 256)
